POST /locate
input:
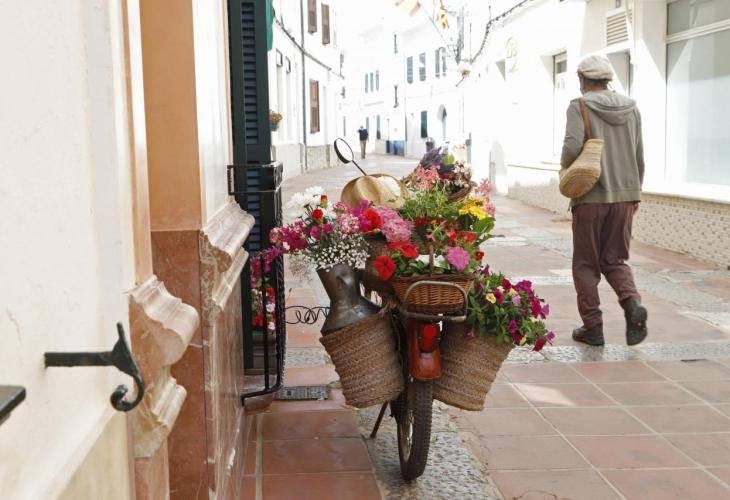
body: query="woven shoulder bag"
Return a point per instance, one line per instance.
(580, 177)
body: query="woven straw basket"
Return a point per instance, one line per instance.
(469, 366)
(582, 175)
(366, 360)
(460, 195)
(432, 299)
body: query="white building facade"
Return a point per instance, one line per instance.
(306, 84)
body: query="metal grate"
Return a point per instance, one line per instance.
(617, 29)
(303, 392)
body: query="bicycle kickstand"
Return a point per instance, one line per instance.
(378, 421)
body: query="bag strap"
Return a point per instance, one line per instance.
(586, 121)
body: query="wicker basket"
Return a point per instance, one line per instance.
(579, 178)
(469, 366)
(366, 360)
(371, 279)
(432, 299)
(460, 195)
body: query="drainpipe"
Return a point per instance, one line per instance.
(304, 88)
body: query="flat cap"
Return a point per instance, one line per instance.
(596, 68)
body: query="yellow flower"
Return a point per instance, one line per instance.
(512, 292)
(523, 340)
(473, 207)
(491, 298)
(500, 288)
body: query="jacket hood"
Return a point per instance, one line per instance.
(611, 107)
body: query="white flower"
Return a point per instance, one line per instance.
(270, 307)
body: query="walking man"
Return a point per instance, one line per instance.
(363, 133)
(602, 218)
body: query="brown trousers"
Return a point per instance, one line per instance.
(601, 240)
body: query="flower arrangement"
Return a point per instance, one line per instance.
(322, 237)
(440, 170)
(274, 119)
(511, 312)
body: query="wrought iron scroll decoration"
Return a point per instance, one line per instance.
(120, 356)
(306, 315)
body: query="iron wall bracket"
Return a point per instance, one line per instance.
(120, 356)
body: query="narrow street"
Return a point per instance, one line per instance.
(651, 421)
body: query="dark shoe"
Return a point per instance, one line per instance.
(636, 316)
(591, 336)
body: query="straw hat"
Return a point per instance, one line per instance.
(381, 189)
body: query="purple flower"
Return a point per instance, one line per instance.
(514, 331)
(516, 300)
(499, 296)
(550, 336)
(458, 257)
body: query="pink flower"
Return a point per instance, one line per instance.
(491, 209)
(516, 300)
(348, 224)
(393, 227)
(458, 257)
(316, 232)
(550, 336)
(425, 177)
(483, 188)
(328, 228)
(539, 344)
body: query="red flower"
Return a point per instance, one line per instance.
(468, 236)
(479, 255)
(406, 249)
(373, 217)
(385, 267)
(317, 214)
(270, 290)
(539, 344)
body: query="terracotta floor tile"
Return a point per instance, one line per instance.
(309, 425)
(509, 422)
(700, 370)
(554, 484)
(315, 455)
(529, 452)
(303, 340)
(707, 449)
(504, 396)
(249, 463)
(593, 421)
(248, 488)
(310, 375)
(687, 484)
(621, 371)
(711, 391)
(338, 486)
(724, 409)
(682, 419)
(541, 373)
(722, 473)
(629, 452)
(336, 401)
(649, 393)
(546, 395)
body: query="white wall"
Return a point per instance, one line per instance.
(212, 101)
(66, 232)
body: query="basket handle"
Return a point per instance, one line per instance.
(430, 259)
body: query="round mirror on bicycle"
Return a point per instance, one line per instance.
(344, 151)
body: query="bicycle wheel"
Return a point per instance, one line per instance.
(413, 410)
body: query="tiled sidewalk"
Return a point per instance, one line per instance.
(644, 430)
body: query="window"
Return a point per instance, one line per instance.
(424, 124)
(422, 66)
(325, 24)
(409, 69)
(561, 100)
(313, 106)
(367, 124)
(372, 83)
(377, 80)
(366, 83)
(698, 76)
(395, 96)
(440, 62)
(377, 127)
(312, 15)
(395, 43)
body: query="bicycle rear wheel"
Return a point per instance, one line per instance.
(413, 412)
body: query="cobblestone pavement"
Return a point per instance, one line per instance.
(652, 421)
